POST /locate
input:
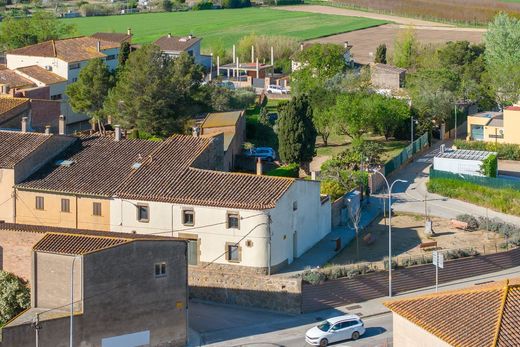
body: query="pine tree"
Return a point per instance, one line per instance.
(381, 54)
(124, 52)
(88, 94)
(296, 132)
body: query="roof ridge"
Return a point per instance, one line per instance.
(90, 235)
(501, 313)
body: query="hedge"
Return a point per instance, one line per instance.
(505, 151)
(291, 170)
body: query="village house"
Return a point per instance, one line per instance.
(142, 279)
(496, 127)
(296, 64)
(173, 46)
(485, 315)
(177, 188)
(387, 77)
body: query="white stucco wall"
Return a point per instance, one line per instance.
(408, 334)
(458, 166)
(59, 66)
(310, 221)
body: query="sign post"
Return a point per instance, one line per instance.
(438, 261)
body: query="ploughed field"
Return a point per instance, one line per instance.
(223, 28)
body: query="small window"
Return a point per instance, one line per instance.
(40, 203)
(193, 250)
(56, 97)
(74, 79)
(160, 269)
(96, 209)
(111, 57)
(295, 205)
(74, 66)
(188, 217)
(65, 205)
(143, 214)
(233, 221)
(233, 253)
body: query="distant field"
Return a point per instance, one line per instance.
(470, 11)
(224, 27)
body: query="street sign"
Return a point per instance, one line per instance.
(435, 257)
(440, 260)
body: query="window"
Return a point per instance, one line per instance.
(74, 66)
(233, 252)
(295, 205)
(160, 270)
(143, 214)
(111, 57)
(96, 209)
(188, 217)
(233, 221)
(193, 252)
(65, 205)
(56, 97)
(74, 79)
(190, 53)
(40, 203)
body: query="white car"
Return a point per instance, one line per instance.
(335, 329)
(273, 89)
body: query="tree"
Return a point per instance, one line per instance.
(380, 54)
(154, 94)
(323, 116)
(503, 57)
(88, 94)
(166, 5)
(318, 63)
(124, 52)
(351, 116)
(387, 114)
(15, 296)
(406, 49)
(28, 30)
(296, 132)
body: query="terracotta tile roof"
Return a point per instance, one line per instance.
(41, 74)
(112, 37)
(15, 146)
(69, 50)
(487, 315)
(175, 43)
(221, 119)
(14, 80)
(388, 68)
(513, 108)
(99, 165)
(170, 177)
(8, 103)
(73, 244)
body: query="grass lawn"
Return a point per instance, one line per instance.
(223, 27)
(338, 143)
(259, 134)
(503, 200)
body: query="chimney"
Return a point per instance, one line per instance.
(301, 46)
(98, 46)
(169, 35)
(24, 124)
(47, 130)
(117, 132)
(190, 36)
(196, 131)
(259, 166)
(129, 31)
(61, 125)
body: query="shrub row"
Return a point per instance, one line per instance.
(510, 231)
(505, 151)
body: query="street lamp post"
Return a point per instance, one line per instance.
(389, 186)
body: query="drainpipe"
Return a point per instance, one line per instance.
(76, 211)
(269, 244)
(14, 204)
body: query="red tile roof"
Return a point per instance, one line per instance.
(15, 146)
(112, 37)
(175, 43)
(14, 80)
(513, 108)
(488, 315)
(74, 244)
(69, 50)
(41, 74)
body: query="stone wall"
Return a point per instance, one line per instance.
(338, 212)
(16, 251)
(267, 292)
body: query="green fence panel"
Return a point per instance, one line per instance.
(406, 154)
(491, 182)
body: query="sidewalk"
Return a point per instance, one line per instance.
(324, 250)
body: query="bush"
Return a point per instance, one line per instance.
(236, 3)
(490, 166)
(313, 277)
(505, 151)
(14, 296)
(287, 2)
(203, 5)
(332, 188)
(291, 170)
(242, 98)
(472, 222)
(461, 253)
(88, 10)
(264, 116)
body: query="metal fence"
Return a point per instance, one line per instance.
(406, 154)
(491, 182)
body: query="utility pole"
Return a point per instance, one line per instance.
(72, 302)
(456, 120)
(37, 327)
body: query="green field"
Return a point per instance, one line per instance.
(223, 27)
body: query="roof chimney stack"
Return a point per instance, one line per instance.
(129, 31)
(24, 124)
(117, 132)
(47, 130)
(98, 46)
(301, 46)
(196, 131)
(190, 36)
(61, 125)
(259, 167)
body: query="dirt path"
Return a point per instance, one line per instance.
(354, 13)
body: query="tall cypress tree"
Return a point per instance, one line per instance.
(380, 54)
(296, 131)
(124, 52)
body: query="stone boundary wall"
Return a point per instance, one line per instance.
(244, 289)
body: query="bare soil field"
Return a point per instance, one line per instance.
(366, 41)
(408, 234)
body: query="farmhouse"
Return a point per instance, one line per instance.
(141, 278)
(177, 187)
(173, 46)
(387, 77)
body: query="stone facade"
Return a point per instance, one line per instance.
(16, 251)
(246, 289)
